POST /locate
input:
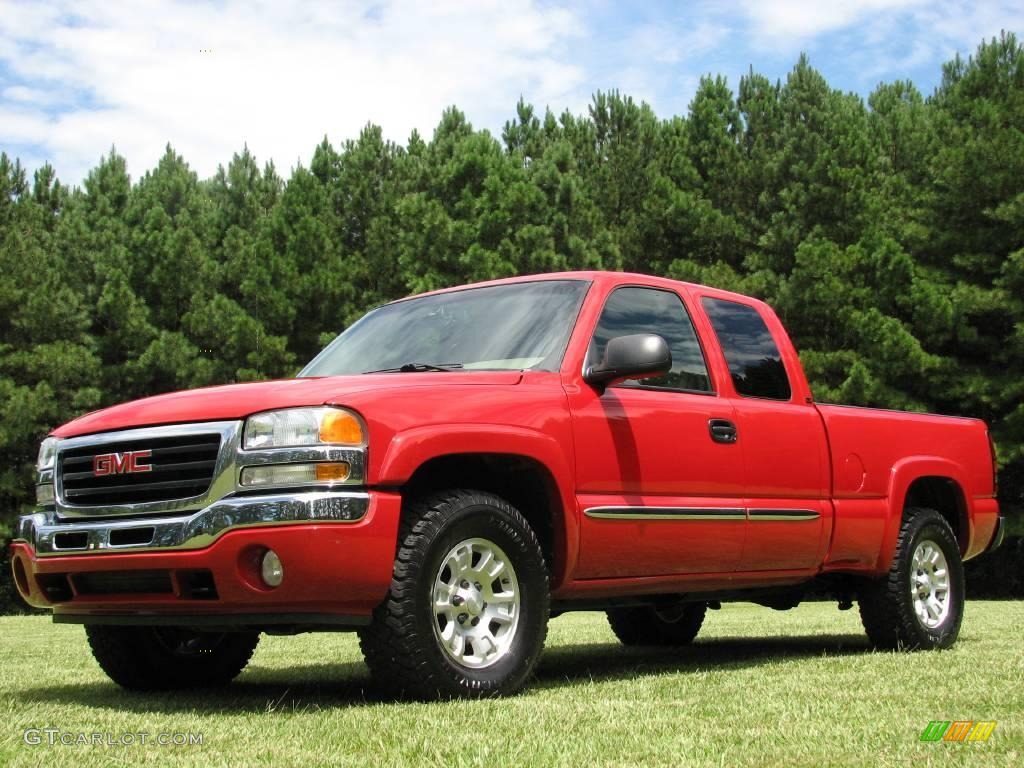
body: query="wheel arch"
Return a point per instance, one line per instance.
(526, 468)
(931, 482)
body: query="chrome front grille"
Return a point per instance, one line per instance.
(192, 467)
(140, 470)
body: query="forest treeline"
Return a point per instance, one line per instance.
(888, 233)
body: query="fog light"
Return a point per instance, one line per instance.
(271, 569)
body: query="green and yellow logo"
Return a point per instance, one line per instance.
(958, 730)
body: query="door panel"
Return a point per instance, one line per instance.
(785, 467)
(782, 438)
(658, 496)
(782, 536)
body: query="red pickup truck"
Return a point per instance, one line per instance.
(458, 466)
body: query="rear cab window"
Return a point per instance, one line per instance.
(755, 363)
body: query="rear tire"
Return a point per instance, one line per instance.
(165, 658)
(920, 603)
(674, 625)
(467, 612)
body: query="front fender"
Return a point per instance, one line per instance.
(410, 449)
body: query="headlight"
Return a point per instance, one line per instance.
(303, 426)
(47, 453)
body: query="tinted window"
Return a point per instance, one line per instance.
(646, 310)
(754, 360)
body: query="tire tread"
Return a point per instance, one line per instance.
(132, 658)
(392, 644)
(640, 626)
(886, 608)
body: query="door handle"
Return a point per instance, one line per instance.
(723, 431)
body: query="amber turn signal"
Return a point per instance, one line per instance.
(335, 471)
(271, 475)
(341, 428)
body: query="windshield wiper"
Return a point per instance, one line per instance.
(419, 367)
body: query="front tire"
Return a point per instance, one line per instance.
(467, 612)
(672, 625)
(165, 658)
(920, 603)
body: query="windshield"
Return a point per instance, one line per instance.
(504, 327)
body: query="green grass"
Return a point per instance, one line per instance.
(798, 688)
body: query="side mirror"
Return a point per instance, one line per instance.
(638, 356)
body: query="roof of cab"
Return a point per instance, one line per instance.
(598, 276)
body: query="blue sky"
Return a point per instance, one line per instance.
(79, 76)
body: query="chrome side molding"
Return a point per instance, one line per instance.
(667, 513)
(700, 513)
(783, 514)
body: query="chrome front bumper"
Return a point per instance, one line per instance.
(48, 535)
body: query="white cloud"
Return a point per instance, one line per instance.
(791, 22)
(920, 30)
(872, 40)
(671, 44)
(89, 74)
(22, 94)
(22, 126)
(77, 76)
(960, 27)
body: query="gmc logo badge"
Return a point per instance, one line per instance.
(126, 463)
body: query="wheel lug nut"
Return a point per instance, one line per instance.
(475, 621)
(477, 585)
(464, 584)
(457, 601)
(462, 618)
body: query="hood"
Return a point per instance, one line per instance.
(236, 401)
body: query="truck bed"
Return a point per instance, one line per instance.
(876, 457)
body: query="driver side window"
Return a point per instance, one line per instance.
(632, 310)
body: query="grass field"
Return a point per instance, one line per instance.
(798, 688)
